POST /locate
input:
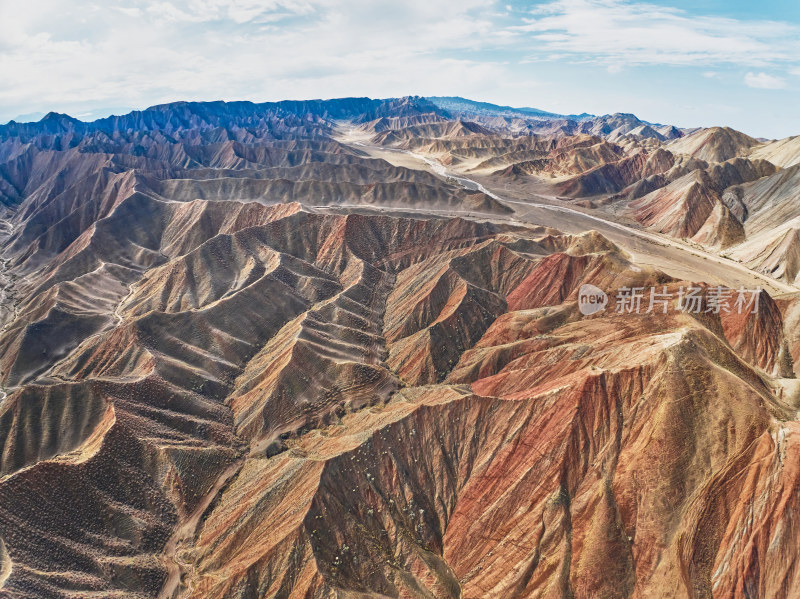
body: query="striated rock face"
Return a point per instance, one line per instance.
(696, 204)
(679, 209)
(783, 152)
(569, 452)
(229, 372)
(721, 229)
(771, 224)
(716, 144)
(332, 405)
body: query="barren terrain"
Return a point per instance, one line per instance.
(335, 349)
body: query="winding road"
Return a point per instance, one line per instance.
(646, 248)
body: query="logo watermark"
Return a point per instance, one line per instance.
(591, 299)
(692, 300)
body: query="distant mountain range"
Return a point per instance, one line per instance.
(457, 105)
(181, 115)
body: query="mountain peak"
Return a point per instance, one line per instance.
(57, 116)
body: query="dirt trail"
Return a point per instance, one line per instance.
(185, 534)
(8, 309)
(670, 255)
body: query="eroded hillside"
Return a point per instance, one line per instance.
(243, 357)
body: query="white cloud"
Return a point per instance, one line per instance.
(151, 51)
(237, 11)
(78, 56)
(631, 33)
(764, 81)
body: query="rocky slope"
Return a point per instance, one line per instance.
(242, 358)
(715, 144)
(782, 152)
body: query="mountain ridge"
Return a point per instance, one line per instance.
(340, 349)
(336, 108)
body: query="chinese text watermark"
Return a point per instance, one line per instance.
(691, 299)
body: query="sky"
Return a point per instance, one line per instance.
(683, 62)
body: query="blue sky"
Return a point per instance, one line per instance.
(689, 63)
